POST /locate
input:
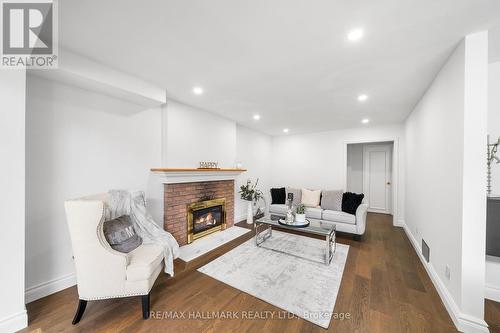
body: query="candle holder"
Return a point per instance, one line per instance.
(289, 217)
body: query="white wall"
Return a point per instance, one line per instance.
(493, 263)
(434, 165)
(12, 199)
(445, 196)
(78, 143)
(193, 135)
(474, 182)
(494, 118)
(254, 151)
(355, 168)
(318, 160)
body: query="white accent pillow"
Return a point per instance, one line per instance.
(311, 198)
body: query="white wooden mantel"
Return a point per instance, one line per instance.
(176, 176)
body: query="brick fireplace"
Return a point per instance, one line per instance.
(178, 196)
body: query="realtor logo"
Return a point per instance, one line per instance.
(28, 34)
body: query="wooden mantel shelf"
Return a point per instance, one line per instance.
(195, 170)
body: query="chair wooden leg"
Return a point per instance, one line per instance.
(79, 311)
(145, 306)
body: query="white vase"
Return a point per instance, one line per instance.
(301, 218)
(249, 212)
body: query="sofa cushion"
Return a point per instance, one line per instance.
(121, 235)
(143, 261)
(277, 209)
(297, 194)
(278, 196)
(311, 198)
(314, 213)
(338, 216)
(332, 200)
(351, 202)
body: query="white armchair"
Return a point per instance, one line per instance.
(101, 271)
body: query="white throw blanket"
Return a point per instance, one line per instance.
(123, 202)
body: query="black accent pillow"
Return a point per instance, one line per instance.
(351, 202)
(278, 196)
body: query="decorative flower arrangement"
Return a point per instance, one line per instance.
(250, 192)
(301, 209)
(300, 213)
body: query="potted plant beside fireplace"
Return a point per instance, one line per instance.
(250, 193)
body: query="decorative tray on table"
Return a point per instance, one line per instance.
(295, 224)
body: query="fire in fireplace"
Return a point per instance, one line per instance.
(205, 217)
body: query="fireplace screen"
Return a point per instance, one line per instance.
(205, 217)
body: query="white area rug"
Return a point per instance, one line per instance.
(305, 288)
(210, 242)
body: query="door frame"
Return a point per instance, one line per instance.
(389, 146)
(397, 220)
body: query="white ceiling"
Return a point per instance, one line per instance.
(288, 61)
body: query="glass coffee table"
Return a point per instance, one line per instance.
(264, 230)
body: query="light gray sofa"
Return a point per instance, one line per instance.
(353, 224)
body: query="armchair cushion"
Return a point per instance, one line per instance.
(143, 262)
(121, 235)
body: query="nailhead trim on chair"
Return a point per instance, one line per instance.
(109, 297)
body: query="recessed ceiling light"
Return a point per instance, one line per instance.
(285, 130)
(362, 97)
(355, 34)
(256, 117)
(365, 121)
(197, 90)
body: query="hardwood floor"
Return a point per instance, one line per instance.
(492, 315)
(384, 289)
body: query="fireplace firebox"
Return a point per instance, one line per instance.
(205, 217)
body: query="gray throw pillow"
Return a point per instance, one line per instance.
(297, 194)
(121, 235)
(332, 200)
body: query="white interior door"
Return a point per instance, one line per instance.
(377, 177)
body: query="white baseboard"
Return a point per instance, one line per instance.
(49, 287)
(463, 322)
(14, 323)
(492, 293)
(399, 223)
